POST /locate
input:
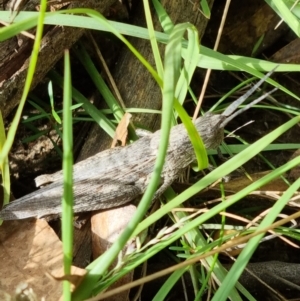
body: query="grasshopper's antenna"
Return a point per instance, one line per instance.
(240, 100)
(254, 102)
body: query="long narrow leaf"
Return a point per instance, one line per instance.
(30, 73)
(67, 201)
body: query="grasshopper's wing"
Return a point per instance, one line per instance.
(89, 195)
(98, 163)
(105, 164)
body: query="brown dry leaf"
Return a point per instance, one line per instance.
(30, 250)
(106, 227)
(121, 130)
(74, 279)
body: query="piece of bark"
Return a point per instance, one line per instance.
(15, 54)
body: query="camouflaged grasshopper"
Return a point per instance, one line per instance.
(118, 176)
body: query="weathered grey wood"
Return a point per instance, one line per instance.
(15, 54)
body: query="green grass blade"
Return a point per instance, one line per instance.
(190, 64)
(196, 140)
(153, 41)
(181, 91)
(209, 59)
(169, 284)
(15, 28)
(164, 19)
(67, 201)
(51, 96)
(31, 68)
(98, 117)
(205, 8)
(237, 148)
(4, 166)
(89, 66)
(281, 8)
